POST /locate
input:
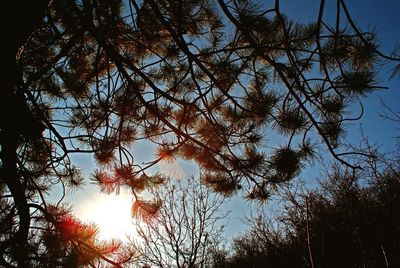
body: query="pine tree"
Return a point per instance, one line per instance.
(203, 80)
(351, 221)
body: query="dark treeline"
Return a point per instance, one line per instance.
(351, 221)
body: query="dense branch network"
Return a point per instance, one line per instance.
(186, 229)
(202, 80)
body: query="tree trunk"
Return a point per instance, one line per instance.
(18, 20)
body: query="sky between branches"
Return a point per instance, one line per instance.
(371, 15)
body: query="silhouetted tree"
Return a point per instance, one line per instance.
(203, 80)
(186, 228)
(352, 221)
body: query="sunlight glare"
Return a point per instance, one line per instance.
(111, 213)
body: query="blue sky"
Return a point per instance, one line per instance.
(381, 16)
(372, 15)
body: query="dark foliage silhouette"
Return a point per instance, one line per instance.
(352, 221)
(203, 80)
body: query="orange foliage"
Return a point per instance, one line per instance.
(166, 154)
(71, 228)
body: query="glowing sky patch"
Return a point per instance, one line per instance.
(111, 213)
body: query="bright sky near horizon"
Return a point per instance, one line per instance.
(113, 214)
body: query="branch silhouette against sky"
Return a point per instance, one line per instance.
(203, 81)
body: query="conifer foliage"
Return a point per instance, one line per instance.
(203, 80)
(351, 221)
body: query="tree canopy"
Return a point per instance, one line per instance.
(203, 80)
(351, 221)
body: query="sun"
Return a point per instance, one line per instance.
(111, 214)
